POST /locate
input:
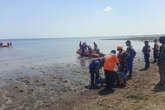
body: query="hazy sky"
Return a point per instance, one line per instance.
(78, 18)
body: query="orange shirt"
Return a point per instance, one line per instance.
(110, 62)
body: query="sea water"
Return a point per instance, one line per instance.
(57, 50)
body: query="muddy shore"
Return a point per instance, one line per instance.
(62, 86)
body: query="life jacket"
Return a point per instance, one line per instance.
(146, 49)
(110, 62)
(131, 53)
(123, 57)
(156, 47)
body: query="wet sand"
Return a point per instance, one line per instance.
(62, 87)
(37, 87)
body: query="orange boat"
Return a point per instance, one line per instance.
(4, 45)
(94, 54)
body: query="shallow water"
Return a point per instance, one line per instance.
(33, 52)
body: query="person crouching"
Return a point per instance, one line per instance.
(94, 68)
(109, 65)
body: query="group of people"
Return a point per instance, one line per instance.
(146, 51)
(84, 46)
(5, 45)
(124, 61)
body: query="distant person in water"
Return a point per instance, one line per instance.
(10, 43)
(156, 51)
(90, 51)
(80, 44)
(161, 61)
(131, 55)
(95, 46)
(1, 44)
(82, 48)
(146, 51)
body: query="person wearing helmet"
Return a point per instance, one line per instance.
(146, 51)
(109, 65)
(161, 61)
(122, 55)
(131, 55)
(156, 51)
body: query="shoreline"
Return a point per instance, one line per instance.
(135, 38)
(62, 87)
(56, 84)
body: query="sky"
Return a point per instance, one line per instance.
(80, 18)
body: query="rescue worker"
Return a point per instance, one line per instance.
(122, 55)
(156, 51)
(94, 67)
(95, 46)
(131, 55)
(90, 51)
(146, 51)
(109, 65)
(82, 47)
(161, 61)
(80, 44)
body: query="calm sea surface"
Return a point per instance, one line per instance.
(59, 50)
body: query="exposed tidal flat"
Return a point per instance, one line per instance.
(37, 77)
(41, 87)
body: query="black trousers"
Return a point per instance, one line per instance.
(109, 78)
(147, 62)
(155, 56)
(94, 77)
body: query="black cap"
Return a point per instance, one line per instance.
(128, 41)
(113, 51)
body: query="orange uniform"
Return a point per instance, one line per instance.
(110, 62)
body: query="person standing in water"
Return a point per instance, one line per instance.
(156, 51)
(161, 61)
(131, 55)
(95, 46)
(82, 48)
(146, 51)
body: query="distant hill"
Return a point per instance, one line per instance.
(137, 37)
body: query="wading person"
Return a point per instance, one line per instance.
(131, 55)
(161, 61)
(109, 65)
(146, 51)
(156, 51)
(90, 51)
(95, 46)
